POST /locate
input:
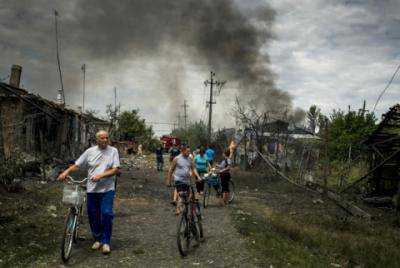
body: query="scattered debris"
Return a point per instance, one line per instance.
(318, 201)
(379, 200)
(135, 162)
(51, 208)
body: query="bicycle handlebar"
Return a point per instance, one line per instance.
(76, 181)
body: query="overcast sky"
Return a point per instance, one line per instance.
(329, 53)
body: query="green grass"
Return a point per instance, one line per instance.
(29, 229)
(281, 239)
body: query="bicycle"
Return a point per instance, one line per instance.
(74, 195)
(190, 223)
(213, 181)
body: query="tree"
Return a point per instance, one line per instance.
(112, 115)
(131, 126)
(256, 121)
(297, 117)
(323, 124)
(259, 122)
(312, 117)
(349, 129)
(195, 135)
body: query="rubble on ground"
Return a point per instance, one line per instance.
(134, 162)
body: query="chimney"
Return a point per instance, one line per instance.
(15, 76)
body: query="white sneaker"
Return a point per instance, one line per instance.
(105, 249)
(96, 245)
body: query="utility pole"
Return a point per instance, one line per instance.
(83, 89)
(58, 58)
(113, 123)
(185, 106)
(363, 110)
(179, 121)
(212, 83)
(115, 101)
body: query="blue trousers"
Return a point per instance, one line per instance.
(100, 212)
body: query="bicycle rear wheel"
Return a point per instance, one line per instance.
(183, 236)
(231, 191)
(68, 236)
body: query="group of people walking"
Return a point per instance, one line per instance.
(102, 163)
(186, 165)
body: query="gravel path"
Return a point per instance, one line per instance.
(145, 232)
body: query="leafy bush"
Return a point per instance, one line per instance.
(11, 169)
(195, 135)
(349, 129)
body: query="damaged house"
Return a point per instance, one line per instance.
(384, 144)
(34, 126)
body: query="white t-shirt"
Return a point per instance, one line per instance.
(98, 161)
(182, 170)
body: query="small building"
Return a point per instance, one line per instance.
(384, 144)
(41, 128)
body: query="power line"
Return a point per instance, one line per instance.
(387, 86)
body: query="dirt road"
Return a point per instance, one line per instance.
(270, 224)
(145, 230)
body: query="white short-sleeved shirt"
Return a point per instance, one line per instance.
(98, 161)
(182, 170)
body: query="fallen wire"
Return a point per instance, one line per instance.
(284, 176)
(369, 172)
(338, 200)
(387, 86)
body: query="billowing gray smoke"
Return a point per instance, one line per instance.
(229, 37)
(225, 36)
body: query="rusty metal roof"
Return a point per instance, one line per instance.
(39, 102)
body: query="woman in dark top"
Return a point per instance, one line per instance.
(225, 176)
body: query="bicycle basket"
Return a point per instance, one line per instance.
(73, 195)
(213, 179)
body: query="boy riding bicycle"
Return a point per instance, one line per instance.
(180, 171)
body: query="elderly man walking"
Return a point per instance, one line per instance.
(102, 162)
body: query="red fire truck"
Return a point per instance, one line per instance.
(168, 141)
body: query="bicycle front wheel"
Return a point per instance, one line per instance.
(183, 236)
(68, 236)
(199, 226)
(79, 221)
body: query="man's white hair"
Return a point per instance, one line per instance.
(101, 132)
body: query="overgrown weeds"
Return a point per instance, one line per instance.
(31, 224)
(11, 170)
(305, 233)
